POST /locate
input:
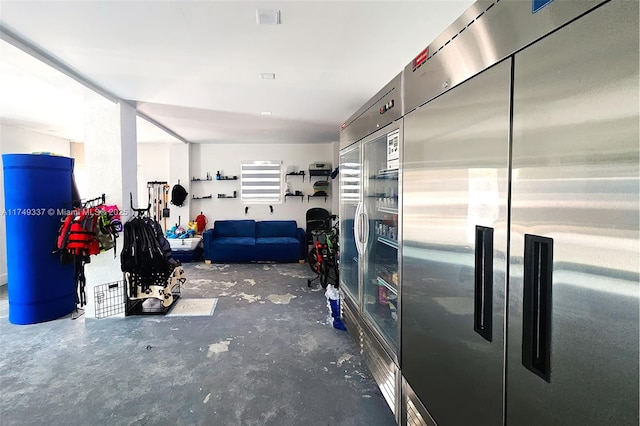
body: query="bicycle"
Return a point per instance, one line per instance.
(324, 256)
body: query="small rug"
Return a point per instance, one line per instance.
(193, 308)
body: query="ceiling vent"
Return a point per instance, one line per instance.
(268, 16)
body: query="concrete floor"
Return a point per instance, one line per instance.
(267, 356)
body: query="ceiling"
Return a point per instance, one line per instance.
(195, 66)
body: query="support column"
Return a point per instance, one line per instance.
(111, 168)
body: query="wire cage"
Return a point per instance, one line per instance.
(109, 299)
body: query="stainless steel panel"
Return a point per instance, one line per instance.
(383, 108)
(455, 177)
(350, 195)
(353, 321)
(414, 413)
(575, 180)
(382, 367)
(489, 31)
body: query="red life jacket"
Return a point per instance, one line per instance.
(77, 234)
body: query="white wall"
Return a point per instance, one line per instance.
(14, 140)
(227, 157)
(180, 172)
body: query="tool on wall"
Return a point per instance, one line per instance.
(156, 198)
(166, 212)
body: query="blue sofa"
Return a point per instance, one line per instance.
(248, 240)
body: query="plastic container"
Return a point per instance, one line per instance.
(37, 192)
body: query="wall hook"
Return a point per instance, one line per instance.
(246, 210)
(271, 209)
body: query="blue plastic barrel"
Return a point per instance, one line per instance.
(37, 189)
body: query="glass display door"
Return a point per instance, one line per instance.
(350, 191)
(380, 209)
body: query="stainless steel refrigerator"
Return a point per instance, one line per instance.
(518, 219)
(520, 259)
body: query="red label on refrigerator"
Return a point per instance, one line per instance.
(421, 58)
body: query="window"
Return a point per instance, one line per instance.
(261, 181)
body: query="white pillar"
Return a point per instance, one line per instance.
(111, 168)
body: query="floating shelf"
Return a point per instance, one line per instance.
(228, 178)
(206, 197)
(295, 174)
(221, 196)
(309, 197)
(294, 195)
(209, 179)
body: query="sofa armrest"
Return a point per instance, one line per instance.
(302, 238)
(207, 238)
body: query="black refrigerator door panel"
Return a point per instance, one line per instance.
(454, 250)
(573, 285)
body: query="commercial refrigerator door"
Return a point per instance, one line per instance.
(350, 200)
(455, 180)
(573, 286)
(380, 207)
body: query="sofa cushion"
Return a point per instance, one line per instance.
(276, 228)
(285, 249)
(232, 249)
(276, 241)
(235, 241)
(234, 228)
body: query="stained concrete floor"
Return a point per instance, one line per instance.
(267, 356)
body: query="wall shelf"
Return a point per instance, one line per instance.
(206, 197)
(295, 174)
(309, 197)
(294, 195)
(226, 196)
(227, 178)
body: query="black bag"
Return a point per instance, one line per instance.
(178, 195)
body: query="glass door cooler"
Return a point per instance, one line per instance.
(380, 254)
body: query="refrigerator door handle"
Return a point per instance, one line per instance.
(536, 321)
(483, 283)
(358, 228)
(365, 229)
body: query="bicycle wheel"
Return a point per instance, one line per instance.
(324, 273)
(312, 260)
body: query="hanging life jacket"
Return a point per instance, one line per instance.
(107, 230)
(77, 235)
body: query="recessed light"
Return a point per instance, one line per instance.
(268, 16)
(265, 113)
(267, 76)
